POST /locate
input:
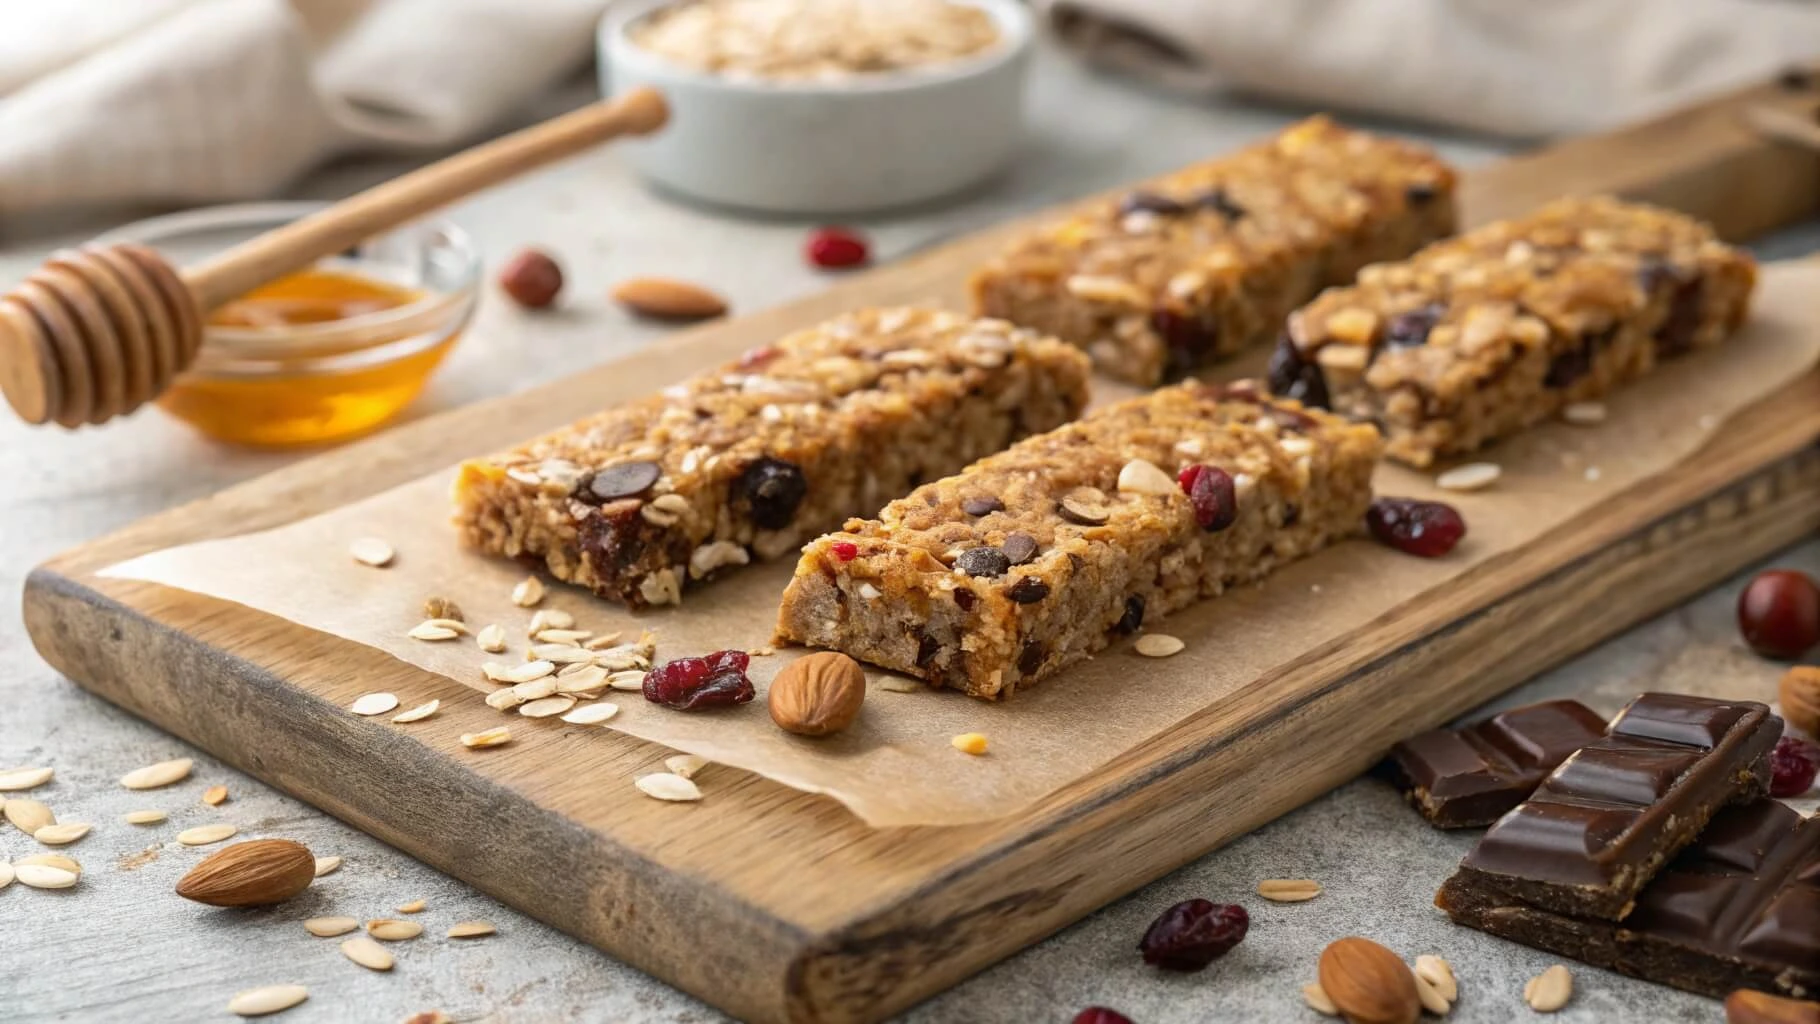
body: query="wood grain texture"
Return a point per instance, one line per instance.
(782, 907)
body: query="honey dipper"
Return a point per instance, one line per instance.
(97, 332)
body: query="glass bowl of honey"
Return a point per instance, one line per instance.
(329, 352)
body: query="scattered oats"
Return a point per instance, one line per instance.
(591, 714)
(570, 637)
(14, 780)
(527, 672)
(413, 907)
(686, 766)
(367, 953)
(629, 680)
(215, 796)
(1316, 998)
(1474, 476)
(1439, 973)
(528, 592)
(579, 680)
(492, 639)
(257, 1002)
(1584, 414)
(43, 876)
(970, 743)
(149, 817)
(490, 738)
(393, 930)
(549, 618)
(664, 786)
(898, 684)
(762, 652)
(471, 929)
(203, 835)
(27, 816)
(329, 927)
(602, 642)
(536, 689)
(1158, 645)
(1550, 990)
(430, 632)
(61, 834)
(546, 707)
(6, 874)
(1142, 477)
(1289, 890)
(417, 714)
(153, 776)
(327, 866)
(1592, 473)
(374, 704)
(561, 654)
(51, 860)
(504, 700)
(372, 551)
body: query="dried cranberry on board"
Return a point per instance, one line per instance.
(1210, 490)
(690, 684)
(1100, 1015)
(1193, 934)
(1779, 614)
(837, 249)
(1793, 766)
(1426, 529)
(532, 278)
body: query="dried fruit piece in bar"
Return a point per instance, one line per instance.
(1207, 261)
(751, 459)
(1032, 559)
(1477, 337)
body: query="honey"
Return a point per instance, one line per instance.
(321, 355)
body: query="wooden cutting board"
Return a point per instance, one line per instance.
(780, 906)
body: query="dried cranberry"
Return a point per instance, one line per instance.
(1028, 590)
(1407, 330)
(1793, 766)
(1189, 340)
(985, 562)
(1427, 529)
(846, 550)
(836, 249)
(1193, 934)
(753, 358)
(1217, 199)
(1779, 614)
(687, 684)
(1210, 491)
(1291, 376)
(773, 489)
(1100, 1015)
(1150, 202)
(1133, 617)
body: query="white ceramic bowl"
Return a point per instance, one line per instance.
(863, 143)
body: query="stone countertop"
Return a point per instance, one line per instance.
(122, 947)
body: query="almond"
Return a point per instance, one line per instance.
(1799, 695)
(1368, 983)
(818, 695)
(668, 299)
(250, 874)
(1748, 1006)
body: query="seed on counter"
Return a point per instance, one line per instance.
(1158, 645)
(546, 707)
(488, 738)
(329, 927)
(471, 929)
(1550, 990)
(215, 796)
(15, 780)
(367, 953)
(327, 865)
(685, 766)
(1474, 476)
(547, 619)
(435, 631)
(1316, 998)
(373, 704)
(145, 817)
(1289, 890)
(566, 637)
(258, 1002)
(61, 834)
(27, 816)
(663, 298)
(591, 714)
(44, 876)
(506, 699)
(203, 835)
(532, 278)
(412, 907)
(1439, 973)
(528, 593)
(602, 642)
(393, 930)
(417, 714)
(970, 743)
(528, 672)
(579, 680)
(898, 684)
(629, 680)
(665, 786)
(561, 654)
(1584, 414)
(154, 776)
(372, 551)
(442, 608)
(492, 639)
(6, 874)
(836, 248)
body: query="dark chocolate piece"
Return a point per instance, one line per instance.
(1740, 908)
(1605, 821)
(1468, 777)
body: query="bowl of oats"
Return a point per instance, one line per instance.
(823, 106)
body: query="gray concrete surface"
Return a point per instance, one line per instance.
(122, 948)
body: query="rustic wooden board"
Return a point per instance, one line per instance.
(780, 906)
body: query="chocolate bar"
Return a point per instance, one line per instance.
(1740, 908)
(1607, 819)
(1468, 777)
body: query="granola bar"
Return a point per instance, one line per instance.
(1208, 260)
(1477, 337)
(753, 458)
(1034, 558)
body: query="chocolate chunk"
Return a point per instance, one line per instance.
(1292, 513)
(1599, 826)
(1028, 590)
(1795, 78)
(963, 599)
(1408, 330)
(1133, 618)
(984, 562)
(1676, 335)
(1291, 376)
(1217, 199)
(926, 649)
(626, 480)
(773, 490)
(1030, 657)
(1150, 202)
(1421, 193)
(1189, 340)
(1019, 547)
(1467, 777)
(1571, 364)
(982, 506)
(1739, 908)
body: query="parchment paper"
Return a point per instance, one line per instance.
(896, 766)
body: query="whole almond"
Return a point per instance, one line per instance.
(1368, 983)
(250, 874)
(668, 299)
(1748, 1006)
(818, 695)
(1799, 695)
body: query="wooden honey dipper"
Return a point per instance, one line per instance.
(99, 331)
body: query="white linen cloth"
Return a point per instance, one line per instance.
(1508, 67)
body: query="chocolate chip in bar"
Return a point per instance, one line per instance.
(1739, 908)
(1605, 821)
(1470, 776)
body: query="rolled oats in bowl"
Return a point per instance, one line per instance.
(816, 40)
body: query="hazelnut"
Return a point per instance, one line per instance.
(532, 279)
(1748, 1006)
(818, 695)
(1779, 614)
(1799, 695)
